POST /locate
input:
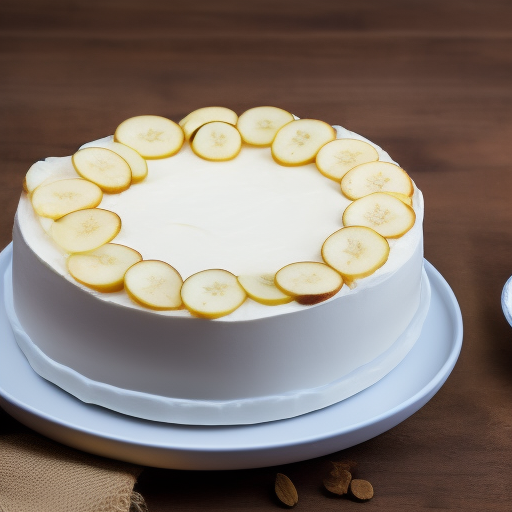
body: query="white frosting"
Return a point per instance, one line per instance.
(259, 363)
(247, 215)
(218, 412)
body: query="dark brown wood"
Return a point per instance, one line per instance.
(430, 81)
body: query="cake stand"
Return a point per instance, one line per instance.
(54, 413)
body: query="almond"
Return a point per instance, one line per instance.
(361, 489)
(285, 491)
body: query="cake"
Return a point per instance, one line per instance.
(230, 282)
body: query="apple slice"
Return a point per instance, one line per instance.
(65, 196)
(104, 268)
(104, 167)
(262, 289)
(337, 157)
(85, 230)
(376, 177)
(138, 165)
(355, 252)
(212, 293)
(201, 116)
(298, 142)
(151, 136)
(382, 212)
(154, 284)
(217, 141)
(309, 282)
(258, 126)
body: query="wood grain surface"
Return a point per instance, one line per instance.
(430, 81)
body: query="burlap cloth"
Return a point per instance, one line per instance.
(39, 475)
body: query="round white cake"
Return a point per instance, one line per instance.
(249, 215)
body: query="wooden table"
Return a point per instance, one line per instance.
(430, 81)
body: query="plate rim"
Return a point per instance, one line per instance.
(386, 419)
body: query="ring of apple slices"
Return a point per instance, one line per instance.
(381, 193)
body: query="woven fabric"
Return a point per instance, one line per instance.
(39, 475)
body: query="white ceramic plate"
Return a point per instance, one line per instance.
(47, 409)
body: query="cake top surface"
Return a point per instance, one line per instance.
(248, 215)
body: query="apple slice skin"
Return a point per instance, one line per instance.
(292, 136)
(63, 194)
(218, 281)
(262, 289)
(105, 256)
(350, 218)
(362, 237)
(163, 274)
(315, 297)
(346, 154)
(91, 219)
(140, 132)
(258, 126)
(103, 167)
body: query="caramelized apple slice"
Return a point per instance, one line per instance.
(258, 126)
(217, 141)
(262, 289)
(337, 157)
(384, 213)
(85, 230)
(104, 268)
(376, 177)
(201, 116)
(298, 142)
(104, 167)
(212, 293)
(151, 136)
(154, 284)
(65, 196)
(309, 282)
(355, 252)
